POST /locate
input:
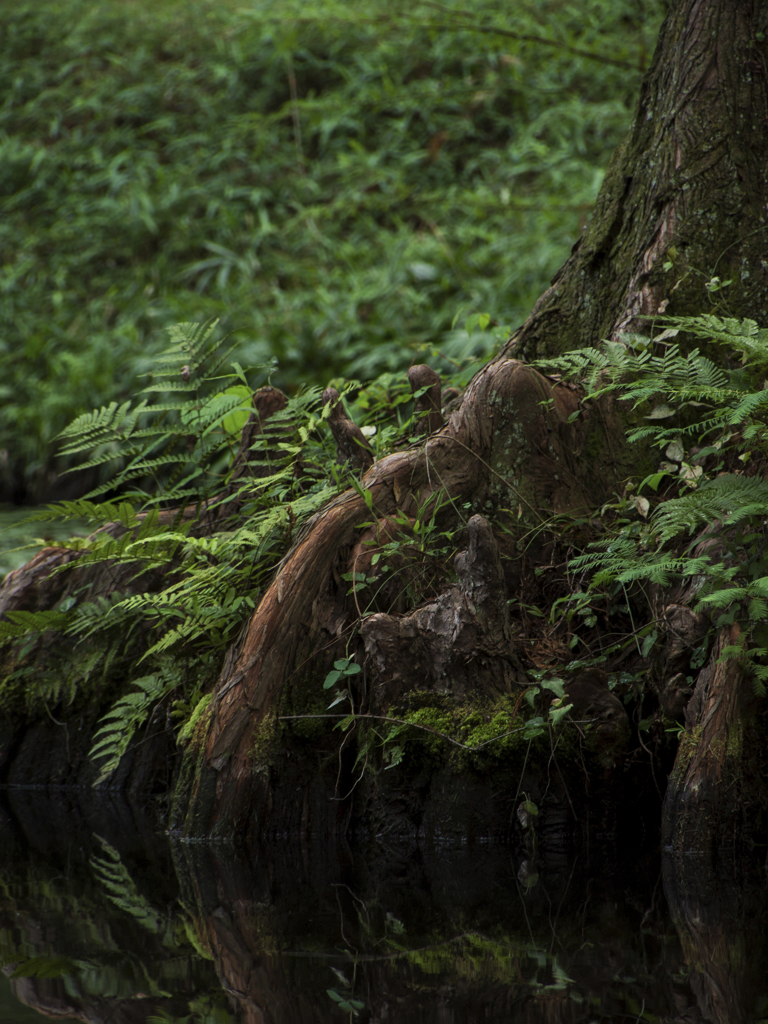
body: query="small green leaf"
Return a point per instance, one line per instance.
(555, 686)
(531, 694)
(675, 451)
(234, 422)
(557, 714)
(653, 481)
(648, 643)
(331, 679)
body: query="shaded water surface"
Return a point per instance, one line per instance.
(104, 919)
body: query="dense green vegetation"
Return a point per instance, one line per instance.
(179, 588)
(337, 184)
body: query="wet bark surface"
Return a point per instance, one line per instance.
(719, 913)
(716, 799)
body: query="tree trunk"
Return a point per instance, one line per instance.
(719, 916)
(679, 227)
(687, 186)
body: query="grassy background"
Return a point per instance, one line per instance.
(336, 182)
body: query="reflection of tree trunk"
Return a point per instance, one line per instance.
(686, 190)
(716, 789)
(719, 917)
(712, 810)
(448, 938)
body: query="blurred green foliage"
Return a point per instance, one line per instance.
(21, 539)
(335, 182)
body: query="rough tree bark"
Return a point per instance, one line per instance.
(687, 187)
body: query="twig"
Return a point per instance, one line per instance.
(527, 38)
(295, 113)
(650, 756)
(552, 758)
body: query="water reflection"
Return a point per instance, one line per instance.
(102, 918)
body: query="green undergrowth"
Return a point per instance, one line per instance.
(429, 729)
(694, 527)
(334, 183)
(189, 528)
(149, 650)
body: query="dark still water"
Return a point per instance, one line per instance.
(102, 919)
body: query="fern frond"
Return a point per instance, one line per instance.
(728, 498)
(121, 889)
(167, 388)
(107, 420)
(62, 511)
(749, 405)
(741, 335)
(16, 624)
(120, 723)
(190, 345)
(94, 616)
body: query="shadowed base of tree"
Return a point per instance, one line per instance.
(513, 447)
(681, 211)
(716, 797)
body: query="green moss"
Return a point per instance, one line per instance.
(492, 725)
(734, 745)
(265, 747)
(474, 956)
(306, 696)
(190, 815)
(189, 727)
(689, 744)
